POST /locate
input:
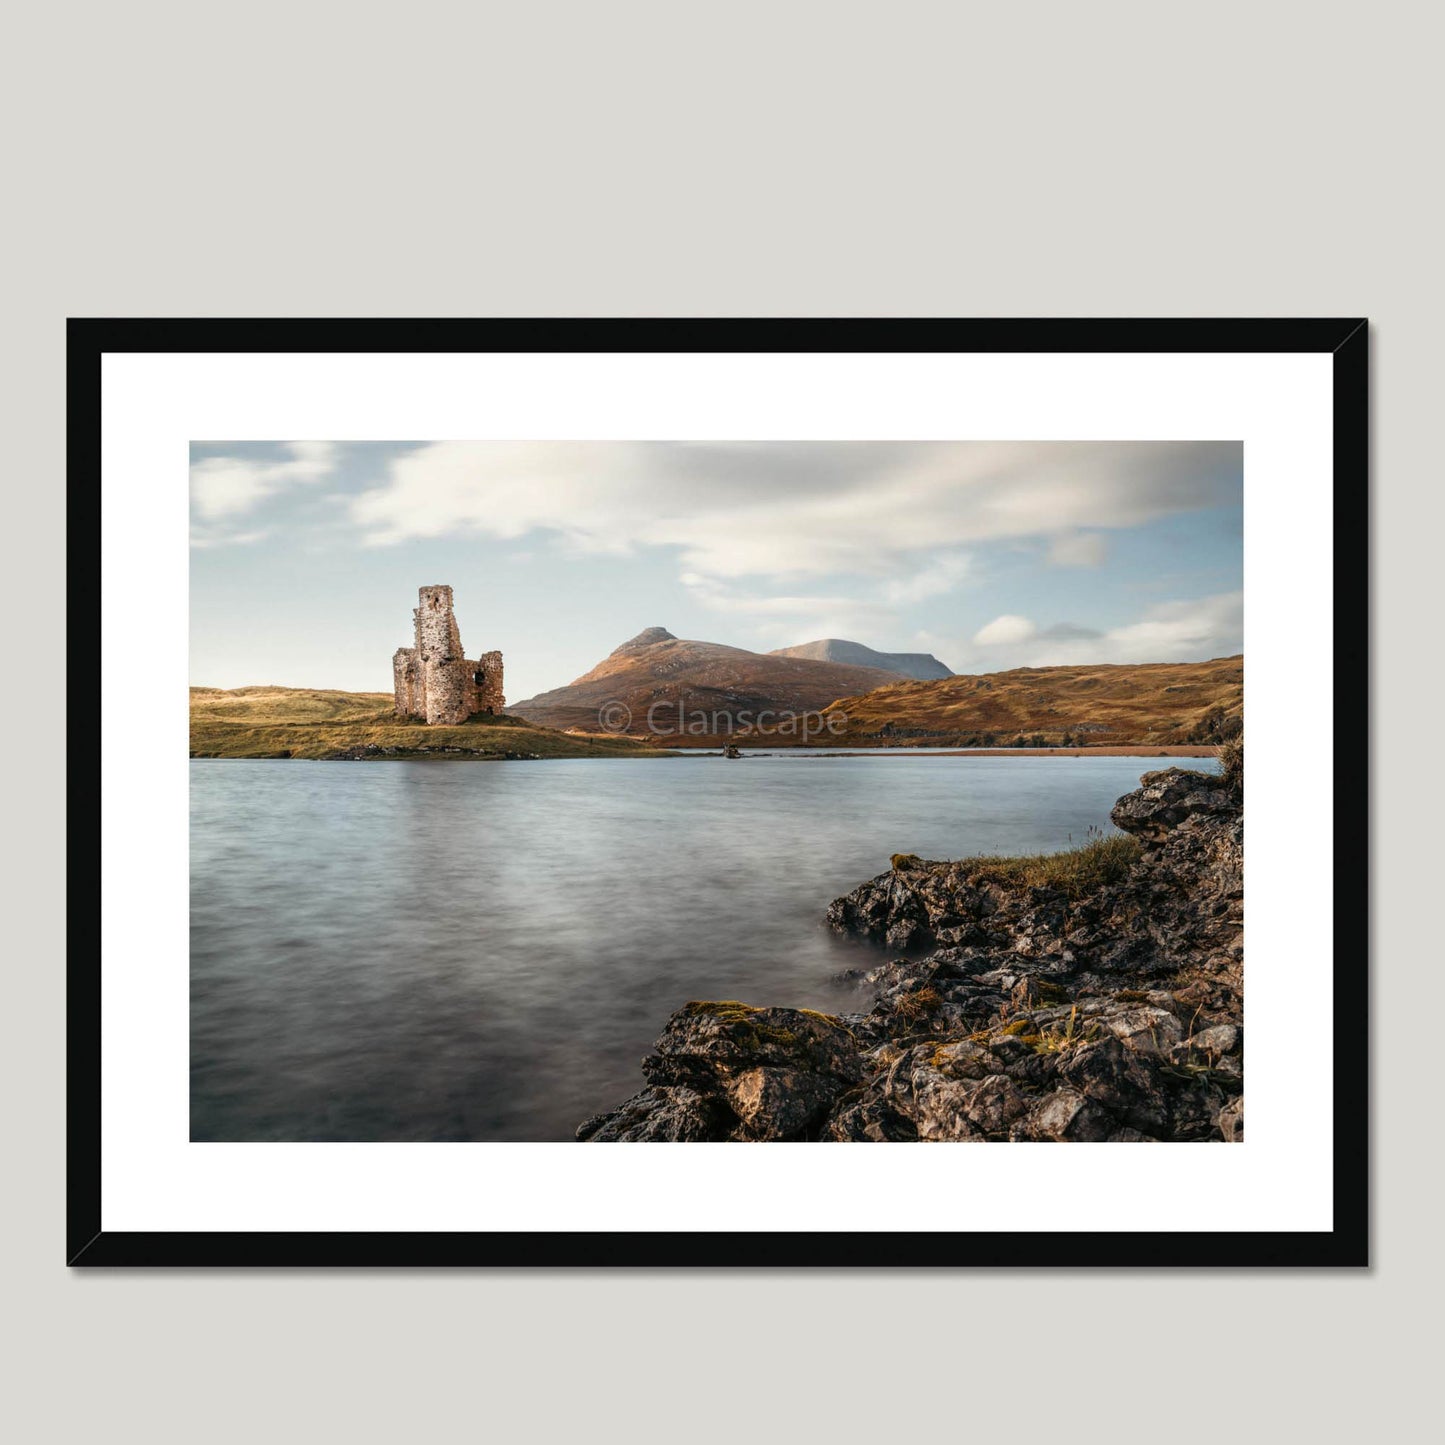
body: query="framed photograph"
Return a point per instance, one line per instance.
(521, 737)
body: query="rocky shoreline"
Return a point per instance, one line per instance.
(1095, 996)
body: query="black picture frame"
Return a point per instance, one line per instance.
(1346, 1244)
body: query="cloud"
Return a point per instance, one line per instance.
(787, 618)
(1181, 631)
(224, 487)
(795, 509)
(224, 490)
(1066, 631)
(932, 580)
(1177, 631)
(204, 539)
(1005, 630)
(1079, 549)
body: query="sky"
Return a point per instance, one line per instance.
(306, 556)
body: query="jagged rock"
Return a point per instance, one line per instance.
(1146, 1030)
(1064, 1115)
(869, 1119)
(1163, 801)
(1195, 1103)
(891, 975)
(707, 1041)
(1119, 1080)
(965, 1059)
(779, 1103)
(932, 1093)
(1009, 1048)
(1231, 1121)
(677, 1115)
(1221, 1039)
(990, 1107)
(1208, 1045)
(725, 1070)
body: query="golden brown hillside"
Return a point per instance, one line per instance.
(668, 679)
(285, 704)
(1139, 703)
(295, 722)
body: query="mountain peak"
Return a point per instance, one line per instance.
(921, 665)
(646, 638)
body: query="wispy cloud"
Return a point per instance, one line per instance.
(934, 579)
(786, 618)
(1079, 549)
(224, 489)
(1176, 631)
(1005, 631)
(796, 509)
(215, 538)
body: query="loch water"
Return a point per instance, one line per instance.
(431, 950)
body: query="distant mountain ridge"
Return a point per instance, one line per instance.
(674, 679)
(923, 666)
(658, 686)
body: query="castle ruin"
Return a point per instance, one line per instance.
(433, 680)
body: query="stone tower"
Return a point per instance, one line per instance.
(433, 680)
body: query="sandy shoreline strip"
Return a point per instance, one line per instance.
(1123, 750)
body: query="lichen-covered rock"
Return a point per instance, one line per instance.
(1145, 1029)
(1119, 1080)
(678, 1115)
(780, 1103)
(726, 1070)
(1165, 799)
(1231, 1121)
(1064, 1116)
(708, 1041)
(1109, 1011)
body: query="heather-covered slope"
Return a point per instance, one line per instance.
(1134, 703)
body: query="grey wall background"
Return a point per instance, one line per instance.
(813, 159)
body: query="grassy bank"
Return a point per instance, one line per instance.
(276, 722)
(1075, 871)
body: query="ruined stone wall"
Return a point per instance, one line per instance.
(439, 649)
(407, 682)
(487, 675)
(448, 692)
(437, 636)
(433, 680)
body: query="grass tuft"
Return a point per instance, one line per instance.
(1061, 1040)
(1231, 760)
(1104, 859)
(918, 1005)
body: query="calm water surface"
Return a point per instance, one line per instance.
(479, 951)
